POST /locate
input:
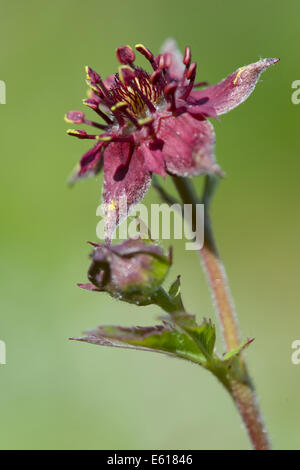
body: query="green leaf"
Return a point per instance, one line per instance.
(236, 352)
(160, 338)
(175, 288)
(204, 334)
(179, 336)
(175, 294)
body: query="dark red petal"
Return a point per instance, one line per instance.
(90, 164)
(90, 158)
(177, 66)
(122, 190)
(89, 287)
(188, 145)
(154, 160)
(202, 110)
(131, 247)
(234, 89)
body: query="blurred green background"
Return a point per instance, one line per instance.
(60, 394)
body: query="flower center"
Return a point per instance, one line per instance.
(129, 100)
(134, 88)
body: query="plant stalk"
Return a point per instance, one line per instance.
(242, 392)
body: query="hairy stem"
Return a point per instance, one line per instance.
(242, 392)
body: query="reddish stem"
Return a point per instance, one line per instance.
(242, 392)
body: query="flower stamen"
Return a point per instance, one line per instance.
(147, 54)
(190, 75)
(81, 134)
(94, 105)
(169, 92)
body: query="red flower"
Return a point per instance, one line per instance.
(154, 123)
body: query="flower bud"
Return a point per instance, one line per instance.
(132, 270)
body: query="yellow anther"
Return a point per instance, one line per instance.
(238, 75)
(141, 46)
(120, 104)
(143, 50)
(93, 87)
(123, 68)
(112, 206)
(146, 120)
(104, 138)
